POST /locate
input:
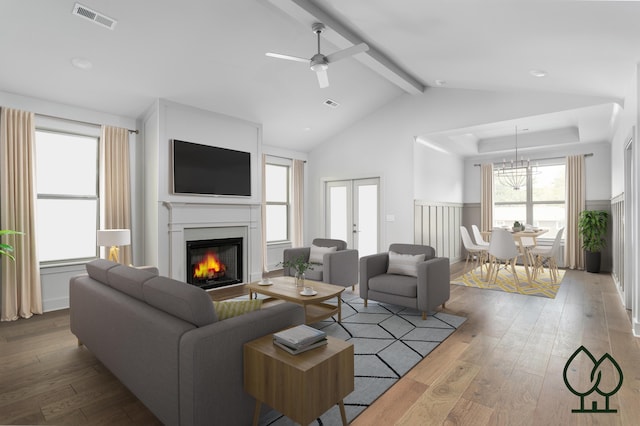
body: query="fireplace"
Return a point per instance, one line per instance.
(215, 262)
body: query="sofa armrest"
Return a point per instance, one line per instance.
(211, 365)
(340, 267)
(370, 266)
(292, 254)
(434, 285)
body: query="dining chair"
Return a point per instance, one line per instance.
(475, 252)
(526, 244)
(547, 255)
(502, 250)
(478, 236)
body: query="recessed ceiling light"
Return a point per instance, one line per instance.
(440, 82)
(538, 73)
(306, 129)
(82, 63)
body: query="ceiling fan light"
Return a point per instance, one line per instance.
(319, 67)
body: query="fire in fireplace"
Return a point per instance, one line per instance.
(214, 263)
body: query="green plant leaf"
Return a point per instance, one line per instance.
(6, 249)
(592, 225)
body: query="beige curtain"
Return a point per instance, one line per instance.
(117, 183)
(21, 290)
(297, 223)
(486, 197)
(264, 214)
(575, 196)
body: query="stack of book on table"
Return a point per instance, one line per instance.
(299, 339)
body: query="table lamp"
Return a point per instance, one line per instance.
(113, 238)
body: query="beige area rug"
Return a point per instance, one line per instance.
(541, 286)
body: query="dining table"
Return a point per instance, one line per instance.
(533, 233)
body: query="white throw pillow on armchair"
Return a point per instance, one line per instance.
(317, 253)
(404, 264)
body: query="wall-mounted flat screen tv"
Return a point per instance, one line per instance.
(210, 170)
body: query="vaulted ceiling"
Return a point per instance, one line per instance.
(211, 54)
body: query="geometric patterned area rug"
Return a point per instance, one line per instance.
(541, 286)
(388, 341)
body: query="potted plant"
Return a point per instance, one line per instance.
(7, 249)
(300, 265)
(517, 226)
(592, 225)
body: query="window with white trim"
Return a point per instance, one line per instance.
(277, 197)
(541, 203)
(67, 215)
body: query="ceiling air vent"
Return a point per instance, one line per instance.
(332, 104)
(93, 16)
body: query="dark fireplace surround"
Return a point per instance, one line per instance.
(214, 262)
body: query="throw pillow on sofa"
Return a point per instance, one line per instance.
(404, 264)
(232, 308)
(317, 253)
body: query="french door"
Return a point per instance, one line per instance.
(352, 213)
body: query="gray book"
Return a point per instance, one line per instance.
(295, 351)
(299, 336)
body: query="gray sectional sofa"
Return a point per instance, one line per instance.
(161, 338)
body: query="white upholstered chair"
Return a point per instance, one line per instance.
(547, 255)
(476, 253)
(478, 237)
(502, 250)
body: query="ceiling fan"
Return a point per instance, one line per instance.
(319, 62)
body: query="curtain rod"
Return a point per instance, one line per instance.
(80, 121)
(537, 159)
(284, 158)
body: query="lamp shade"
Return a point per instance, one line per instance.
(114, 237)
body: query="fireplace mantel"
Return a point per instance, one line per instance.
(184, 220)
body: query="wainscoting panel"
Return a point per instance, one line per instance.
(438, 225)
(617, 237)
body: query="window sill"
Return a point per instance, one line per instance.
(276, 244)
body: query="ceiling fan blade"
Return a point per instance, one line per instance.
(323, 78)
(345, 53)
(288, 57)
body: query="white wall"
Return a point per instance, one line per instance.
(168, 120)
(431, 165)
(55, 280)
(628, 127)
(382, 144)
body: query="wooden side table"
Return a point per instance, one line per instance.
(302, 386)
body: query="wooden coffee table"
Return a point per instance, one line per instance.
(315, 307)
(302, 386)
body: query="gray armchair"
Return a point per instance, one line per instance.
(423, 292)
(339, 267)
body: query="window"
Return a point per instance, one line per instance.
(277, 200)
(67, 188)
(541, 203)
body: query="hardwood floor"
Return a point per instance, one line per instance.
(503, 366)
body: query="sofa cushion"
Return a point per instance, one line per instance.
(314, 272)
(97, 269)
(317, 253)
(129, 280)
(233, 308)
(404, 264)
(181, 300)
(401, 285)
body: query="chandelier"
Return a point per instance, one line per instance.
(514, 174)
